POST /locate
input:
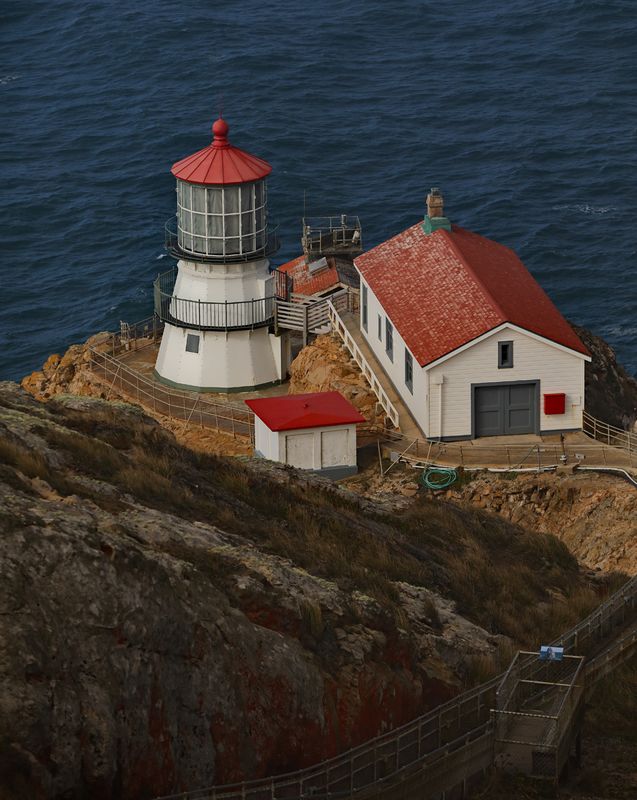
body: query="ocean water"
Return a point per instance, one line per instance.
(525, 114)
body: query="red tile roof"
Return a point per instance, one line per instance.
(444, 289)
(315, 410)
(220, 163)
(304, 282)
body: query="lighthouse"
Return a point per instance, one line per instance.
(218, 305)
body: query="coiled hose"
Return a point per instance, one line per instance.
(438, 477)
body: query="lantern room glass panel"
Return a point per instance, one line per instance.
(222, 220)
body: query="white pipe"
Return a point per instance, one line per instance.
(627, 475)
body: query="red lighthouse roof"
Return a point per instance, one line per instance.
(221, 163)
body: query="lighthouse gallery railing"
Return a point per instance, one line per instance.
(204, 315)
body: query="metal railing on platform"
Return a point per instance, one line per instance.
(204, 315)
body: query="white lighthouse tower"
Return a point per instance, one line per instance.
(218, 305)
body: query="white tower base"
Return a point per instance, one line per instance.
(232, 361)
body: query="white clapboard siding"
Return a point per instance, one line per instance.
(557, 370)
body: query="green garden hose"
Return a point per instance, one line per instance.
(438, 477)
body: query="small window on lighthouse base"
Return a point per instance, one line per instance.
(192, 343)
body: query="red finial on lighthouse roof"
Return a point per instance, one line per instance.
(220, 163)
(220, 130)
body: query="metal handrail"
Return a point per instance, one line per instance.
(627, 594)
(168, 401)
(205, 315)
(609, 434)
(171, 243)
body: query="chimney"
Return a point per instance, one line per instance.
(435, 203)
(435, 218)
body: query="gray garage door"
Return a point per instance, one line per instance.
(505, 409)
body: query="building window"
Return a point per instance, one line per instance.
(409, 371)
(505, 355)
(380, 328)
(364, 306)
(192, 343)
(389, 339)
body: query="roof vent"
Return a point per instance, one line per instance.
(435, 218)
(317, 266)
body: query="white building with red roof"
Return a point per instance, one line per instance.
(218, 306)
(315, 431)
(471, 342)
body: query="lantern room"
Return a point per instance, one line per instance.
(221, 203)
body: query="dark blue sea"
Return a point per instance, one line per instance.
(524, 113)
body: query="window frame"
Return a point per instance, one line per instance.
(389, 339)
(409, 371)
(380, 328)
(251, 208)
(508, 362)
(190, 338)
(364, 308)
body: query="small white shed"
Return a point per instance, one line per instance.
(314, 431)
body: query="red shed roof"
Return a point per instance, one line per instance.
(444, 289)
(315, 410)
(220, 163)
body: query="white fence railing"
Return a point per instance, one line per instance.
(308, 314)
(339, 327)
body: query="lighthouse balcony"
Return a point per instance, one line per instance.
(210, 316)
(220, 249)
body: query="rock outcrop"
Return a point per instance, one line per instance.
(611, 393)
(70, 373)
(326, 365)
(594, 515)
(171, 620)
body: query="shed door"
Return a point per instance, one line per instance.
(505, 409)
(334, 448)
(299, 450)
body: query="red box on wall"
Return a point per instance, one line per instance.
(555, 403)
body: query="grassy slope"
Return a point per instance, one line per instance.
(524, 585)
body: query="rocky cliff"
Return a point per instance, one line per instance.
(611, 393)
(170, 619)
(70, 373)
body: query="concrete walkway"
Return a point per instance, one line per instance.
(408, 425)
